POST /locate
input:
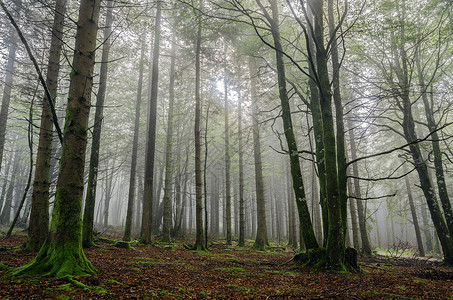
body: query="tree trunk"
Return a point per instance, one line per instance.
(88, 216)
(61, 254)
(298, 186)
(408, 124)
(147, 216)
(341, 152)
(241, 242)
(437, 153)
(199, 242)
(7, 92)
(227, 160)
(168, 149)
(39, 216)
(335, 240)
(366, 248)
(132, 177)
(418, 235)
(261, 241)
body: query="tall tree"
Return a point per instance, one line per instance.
(38, 227)
(145, 234)
(88, 216)
(241, 242)
(133, 175)
(227, 157)
(296, 173)
(166, 229)
(199, 237)
(261, 240)
(62, 253)
(9, 71)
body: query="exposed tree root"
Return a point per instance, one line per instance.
(66, 260)
(316, 258)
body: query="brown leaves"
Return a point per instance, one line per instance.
(157, 272)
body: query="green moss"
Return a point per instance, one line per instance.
(124, 245)
(59, 261)
(233, 272)
(111, 281)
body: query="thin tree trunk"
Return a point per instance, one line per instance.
(437, 153)
(227, 158)
(241, 242)
(166, 230)
(7, 92)
(133, 176)
(418, 235)
(30, 171)
(366, 248)
(199, 242)
(88, 216)
(298, 186)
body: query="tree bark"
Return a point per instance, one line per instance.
(61, 254)
(298, 186)
(199, 242)
(366, 248)
(88, 216)
(261, 241)
(241, 242)
(133, 176)
(166, 230)
(38, 227)
(227, 160)
(147, 217)
(7, 92)
(418, 235)
(437, 153)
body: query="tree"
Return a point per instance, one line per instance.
(7, 91)
(261, 240)
(166, 230)
(199, 237)
(61, 254)
(88, 216)
(38, 227)
(227, 158)
(133, 175)
(145, 234)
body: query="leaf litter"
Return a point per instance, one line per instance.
(224, 272)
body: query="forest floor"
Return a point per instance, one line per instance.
(228, 272)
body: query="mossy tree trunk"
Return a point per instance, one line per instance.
(299, 191)
(261, 241)
(38, 227)
(435, 142)
(336, 237)
(88, 215)
(62, 254)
